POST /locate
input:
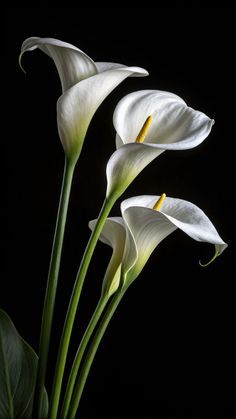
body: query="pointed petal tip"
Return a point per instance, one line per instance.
(143, 72)
(137, 71)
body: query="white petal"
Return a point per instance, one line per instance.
(175, 126)
(147, 229)
(72, 64)
(193, 221)
(185, 215)
(126, 163)
(146, 201)
(113, 234)
(76, 107)
(134, 108)
(150, 227)
(104, 66)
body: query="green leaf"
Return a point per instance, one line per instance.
(18, 366)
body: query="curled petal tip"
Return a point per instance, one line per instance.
(20, 63)
(204, 265)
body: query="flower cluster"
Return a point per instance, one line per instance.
(146, 220)
(147, 122)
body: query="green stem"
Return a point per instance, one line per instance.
(92, 352)
(49, 301)
(72, 308)
(79, 355)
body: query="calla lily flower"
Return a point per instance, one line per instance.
(147, 220)
(148, 122)
(85, 84)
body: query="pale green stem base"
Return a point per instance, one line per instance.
(72, 308)
(79, 355)
(92, 352)
(49, 301)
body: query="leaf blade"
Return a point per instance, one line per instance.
(18, 367)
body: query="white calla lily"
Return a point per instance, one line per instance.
(174, 126)
(85, 84)
(145, 227)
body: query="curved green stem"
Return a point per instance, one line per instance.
(92, 352)
(79, 355)
(72, 308)
(49, 301)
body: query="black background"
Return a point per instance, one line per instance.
(169, 351)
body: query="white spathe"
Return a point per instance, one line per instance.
(145, 228)
(85, 84)
(175, 126)
(113, 234)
